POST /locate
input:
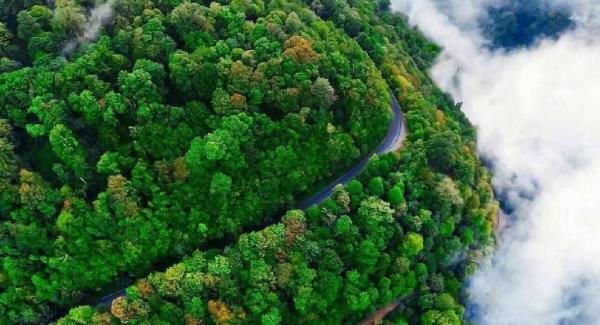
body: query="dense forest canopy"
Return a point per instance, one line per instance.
(186, 123)
(365, 247)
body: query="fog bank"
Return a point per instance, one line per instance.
(538, 115)
(98, 17)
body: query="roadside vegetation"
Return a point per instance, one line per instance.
(377, 240)
(187, 123)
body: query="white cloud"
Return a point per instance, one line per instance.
(538, 115)
(585, 12)
(99, 16)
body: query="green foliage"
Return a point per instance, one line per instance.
(68, 18)
(376, 186)
(337, 267)
(413, 244)
(186, 123)
(396, 195)
(5, 37)
(323, 92)
(67, 149)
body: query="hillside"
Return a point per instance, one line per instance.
(186, 124)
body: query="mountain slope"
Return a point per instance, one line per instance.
(179, 128)
(412, 226)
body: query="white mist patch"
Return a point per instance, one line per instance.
(585, 12)
(538, 116)
(547, 271)
(99, 16)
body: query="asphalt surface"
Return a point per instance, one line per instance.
(392, 142)
(107, 300)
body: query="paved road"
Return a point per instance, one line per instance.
(391, 142)
(107, 300)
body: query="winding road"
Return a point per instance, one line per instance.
(392, 142)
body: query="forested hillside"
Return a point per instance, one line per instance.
(189, 122)
(410, 229)
(186, 124)
(388, 235)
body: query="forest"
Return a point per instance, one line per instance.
(184, 130)
(365, 247)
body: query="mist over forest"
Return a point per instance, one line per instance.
(527, 72)
(429, 162)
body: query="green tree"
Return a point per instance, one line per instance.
(151, 42)
(8, 159)
(413, 244)
(220, 184)
(190, 17)
(376, 186)
(221, 102)
(396, 195)
(435, 317)
(323, 92)
(68, 149)
(68, 18)
(5, 37)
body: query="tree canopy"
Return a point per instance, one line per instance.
(185, 124)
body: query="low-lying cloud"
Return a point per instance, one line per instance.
(538, 115)
(99, 16)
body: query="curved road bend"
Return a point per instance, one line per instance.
(392, 142)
